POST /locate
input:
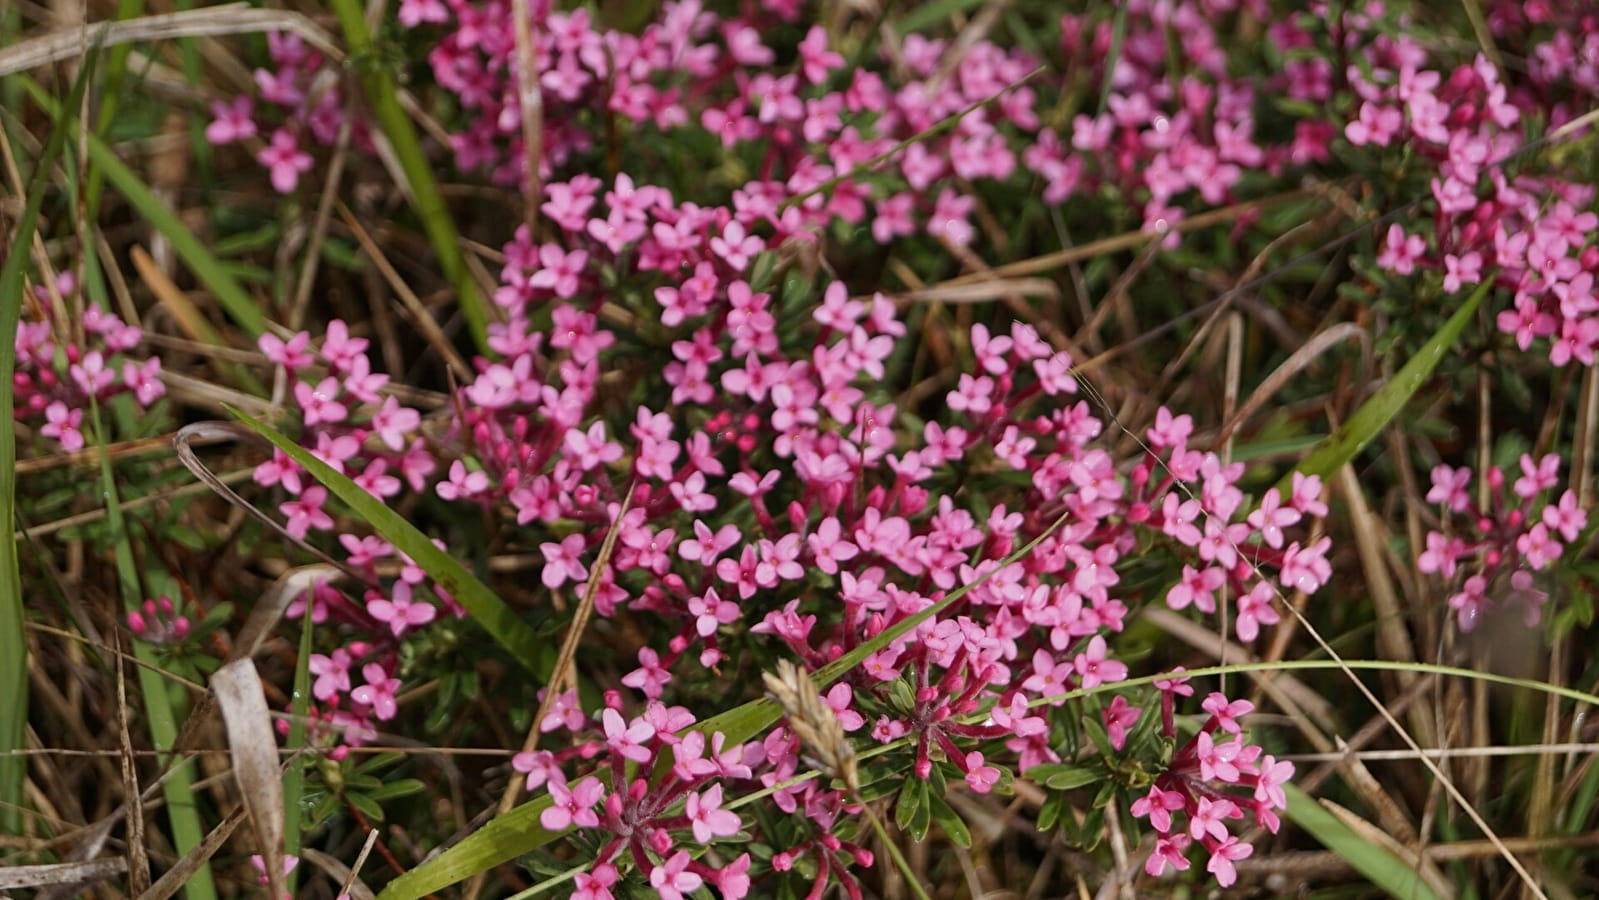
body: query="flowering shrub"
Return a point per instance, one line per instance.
(781, 501)
(686, 357)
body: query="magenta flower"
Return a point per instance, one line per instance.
(573, 805)
(305, 513)
(378, 692)
(707, 817)
(286, 161)
(563, 561)
(1222, 857)
(400, 611)
(232, 122)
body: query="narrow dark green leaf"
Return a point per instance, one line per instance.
(13, 643)
(949, 821)
(912, 793)
(1383, 868)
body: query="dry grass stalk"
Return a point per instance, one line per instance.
(234, 18)
(813, 722)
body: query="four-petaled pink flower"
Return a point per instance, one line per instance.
(286, 161)
(707, 817)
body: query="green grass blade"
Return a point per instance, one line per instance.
(300, 710)
(1375, 414)
(13, 646)
(519, 638)
(116, 67)
(160, 712)
(378, 84)
(1379, 865)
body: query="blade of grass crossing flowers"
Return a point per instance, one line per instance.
(378, 84)
(518, 832)
(160, 714)
(516, 636)
(13, 646)
(1375, 414)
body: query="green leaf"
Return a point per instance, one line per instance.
(368, 806)
(487, 609)
(503, 839)
(950, 821)
(1064, 778)
(1049, 815)
(13, 640)
(1382, 867)
(921, 818)
(1375, 414)
(912, 794)
(405, 787)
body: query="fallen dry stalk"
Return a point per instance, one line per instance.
(234, 18)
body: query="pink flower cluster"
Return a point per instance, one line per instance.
(301, 104)
(780, 499)
(1528, 233)
(60, 367)
(1173, 127)
(1500, 537)
(159, 622)
(1206, 784)
(766, 469)
(635, 816)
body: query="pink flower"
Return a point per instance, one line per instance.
(980, 777)
(232, 122)
(949, 217)
(563, 561)
(591, 447)
(378, 692)
(1119, 718)
(415, 12)
(734, 879)
(672, 880)
(706, 816)
(596, 885)
(1566, 517)
(1210, 818)
(1222, 857)
(319, 403)
(291, 354)
(650, 677)
(306, 513)
(62, 424)
(1255, 610)
(285, 159)
(1158, 805)
(1400, 251)
(1449, 487)
(1168, 851)
(573, 805)
(400, 611)
(1095, 667)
